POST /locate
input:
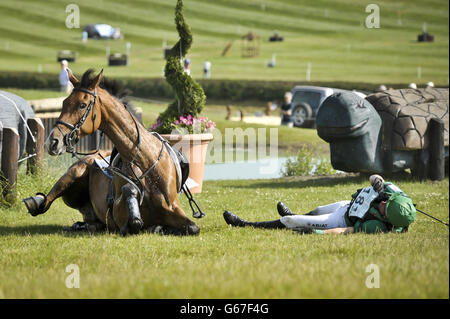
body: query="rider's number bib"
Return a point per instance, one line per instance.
(361, 204)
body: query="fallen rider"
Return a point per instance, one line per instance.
(379, 208)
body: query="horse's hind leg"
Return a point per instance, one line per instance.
(90, 221)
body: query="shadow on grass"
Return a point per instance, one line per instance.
(30, 230)
(320, 181)
(43, 230)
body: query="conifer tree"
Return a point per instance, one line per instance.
(190, 97)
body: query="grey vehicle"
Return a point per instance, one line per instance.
(306, 101)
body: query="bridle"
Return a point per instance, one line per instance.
(70, 139)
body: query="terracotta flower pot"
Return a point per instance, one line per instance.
(194, 146)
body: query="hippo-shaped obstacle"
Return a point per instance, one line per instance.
(388, 132)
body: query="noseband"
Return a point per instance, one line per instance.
(70, 139)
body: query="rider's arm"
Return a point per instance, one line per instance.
(368, 227)
(371, 227)
(344, 230)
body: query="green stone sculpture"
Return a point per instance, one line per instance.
(387, 132)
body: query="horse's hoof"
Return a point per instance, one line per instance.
(156, 229)
(34, 204)
(77, 227)
(135, 225)
(124, 230)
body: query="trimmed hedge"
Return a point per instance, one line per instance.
(28, 80)
(224, 90)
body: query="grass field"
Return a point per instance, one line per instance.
(331, 35)
(224, 262)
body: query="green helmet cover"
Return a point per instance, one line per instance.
(400, 210)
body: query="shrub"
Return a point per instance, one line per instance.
(190, 97)
(305, 163)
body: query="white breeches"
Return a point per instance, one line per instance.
(324, 217)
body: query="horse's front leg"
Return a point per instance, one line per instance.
(130, 193)
(126, 211)
(76, 178)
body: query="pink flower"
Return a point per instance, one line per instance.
(193, 124)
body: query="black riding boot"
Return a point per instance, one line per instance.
(283, 210)
(234, 220)
(273, 224)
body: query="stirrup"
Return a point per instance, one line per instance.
(195, 214)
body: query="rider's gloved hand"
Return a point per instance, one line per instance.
(377, 183)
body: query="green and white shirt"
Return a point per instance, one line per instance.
(371, 221)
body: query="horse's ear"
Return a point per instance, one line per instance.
(96, 81)
(72, 77)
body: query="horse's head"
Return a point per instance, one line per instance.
(80, 114)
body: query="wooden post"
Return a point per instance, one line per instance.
(10, 156)
(34, 164)
(437, 151)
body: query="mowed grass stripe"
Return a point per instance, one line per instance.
(146, 24)
(303, 13)
(260, 22)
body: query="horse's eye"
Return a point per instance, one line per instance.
(83, 105)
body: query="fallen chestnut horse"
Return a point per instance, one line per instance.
(146, 186)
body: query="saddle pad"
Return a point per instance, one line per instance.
(190, 183)
(174, 157)
(102, 164)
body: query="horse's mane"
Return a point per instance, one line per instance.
(114, 87)
(86, 78)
